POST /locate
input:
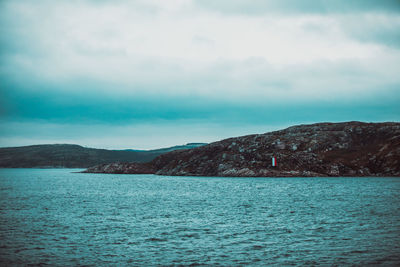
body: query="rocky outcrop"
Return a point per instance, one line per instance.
(122, 168)
(322, 149)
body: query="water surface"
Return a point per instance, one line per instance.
(57, 217)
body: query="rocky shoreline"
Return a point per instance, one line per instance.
(322, 149)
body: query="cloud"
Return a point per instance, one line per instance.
(374, 28)
(249, 82)
(260, 7)
(202, 62)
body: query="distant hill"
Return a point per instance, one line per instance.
(173, 148)
(322, 149)
(75, 156)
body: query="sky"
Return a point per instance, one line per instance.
(146, 74)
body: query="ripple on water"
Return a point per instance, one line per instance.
(66, 218)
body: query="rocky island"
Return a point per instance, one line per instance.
(322, 149)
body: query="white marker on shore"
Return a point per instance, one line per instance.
(273, 162)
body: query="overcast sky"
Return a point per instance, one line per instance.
(154, 73)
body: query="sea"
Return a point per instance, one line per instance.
(58, 217)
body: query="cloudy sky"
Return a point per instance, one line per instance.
(154, 73)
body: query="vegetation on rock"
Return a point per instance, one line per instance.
(74, 156)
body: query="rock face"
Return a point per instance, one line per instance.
(122, 168)
(323, 149)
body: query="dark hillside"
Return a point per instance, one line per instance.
(322, 149)
(71, 156)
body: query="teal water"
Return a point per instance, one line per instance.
(55, 217)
